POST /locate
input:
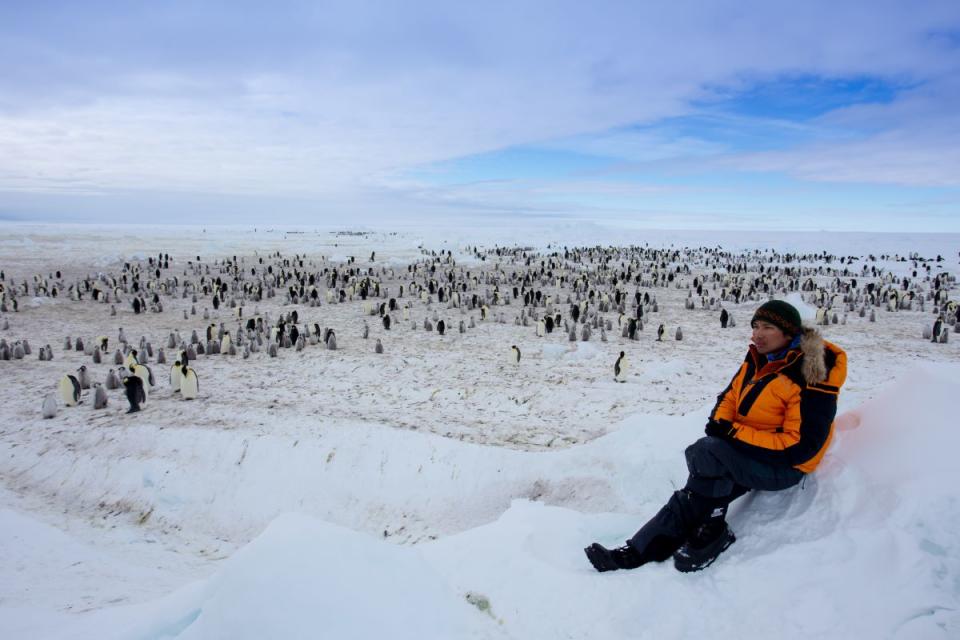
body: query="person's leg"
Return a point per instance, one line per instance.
(719, 474)
(657, 540)
(717, 468)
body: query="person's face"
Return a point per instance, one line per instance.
(768, 337)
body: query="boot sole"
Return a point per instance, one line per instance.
(681, 564)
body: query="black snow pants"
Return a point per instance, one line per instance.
(719, 474)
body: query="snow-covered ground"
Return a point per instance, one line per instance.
(438, 490)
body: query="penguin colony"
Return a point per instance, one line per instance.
(275, 307)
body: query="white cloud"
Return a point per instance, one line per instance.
(324, 101)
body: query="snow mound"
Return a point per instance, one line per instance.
(868, 547)
(303, 578)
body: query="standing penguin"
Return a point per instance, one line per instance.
(620, 368)
(49, 406)
(386, 322)
(441, 327)
(69, 390)
(145, 375)
(113, 381)
(679, 335)
(99, 396)
(724, 318)
(378, 348)
(189, 383)
(175, 376)
(514, 354)
(133, 387)
(83, 377)
(937, 328)
(660, 331)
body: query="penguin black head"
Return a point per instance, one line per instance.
(132, 368)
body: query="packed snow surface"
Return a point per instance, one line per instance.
(437, 490)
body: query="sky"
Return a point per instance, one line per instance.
(834, 115)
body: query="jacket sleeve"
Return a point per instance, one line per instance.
(726, 408)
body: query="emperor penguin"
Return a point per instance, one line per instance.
(679, 335)
(937, 328)
(620, 368)
(386, 322)
(131, 359)
(99, 396)
(49, 406)
(441, 327)
(175, 376)
(113, 381)
(514, 354)
(83, 376)
(541, 329)
(133, 387)
(142, 372)
(378, 348)
(189, 383)
(660, 331)
(69, 390)
(225, 344)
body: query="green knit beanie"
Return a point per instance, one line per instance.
(782, 314)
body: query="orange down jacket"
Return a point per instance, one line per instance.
(782, 412)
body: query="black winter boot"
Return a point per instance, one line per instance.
(603, 559)
(704, 546)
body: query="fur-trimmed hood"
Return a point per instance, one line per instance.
(814, 351)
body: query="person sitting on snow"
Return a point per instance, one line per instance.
(769, 428)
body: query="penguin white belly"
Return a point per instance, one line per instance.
(67, 391)
(141, 372)
(621, 370)
(175, 377)
(189, 385)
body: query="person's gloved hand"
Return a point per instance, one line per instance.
(720, 429)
